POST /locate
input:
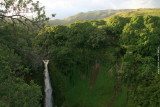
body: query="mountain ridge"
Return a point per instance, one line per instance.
(105, 14)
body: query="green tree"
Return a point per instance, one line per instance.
(13, 89)
(140, 40)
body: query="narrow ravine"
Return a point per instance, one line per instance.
(48, 88)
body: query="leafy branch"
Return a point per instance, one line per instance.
(18, 12)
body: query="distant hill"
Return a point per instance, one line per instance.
(137, 12)
(91, 15)
(105, 14)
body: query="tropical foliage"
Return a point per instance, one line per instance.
(92, 63)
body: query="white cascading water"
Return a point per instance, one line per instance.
(48, 88)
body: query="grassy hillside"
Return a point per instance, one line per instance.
(137, 12)
(105, 14)
(91, 15)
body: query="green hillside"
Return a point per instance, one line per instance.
(137, 12)
(105, 14)
(91, 15)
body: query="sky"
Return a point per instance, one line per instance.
(66, 8)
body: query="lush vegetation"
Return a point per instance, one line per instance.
(124, 47)
(92, 63)
(18, 58)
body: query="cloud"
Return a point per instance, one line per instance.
(134, 4)
(66, 8)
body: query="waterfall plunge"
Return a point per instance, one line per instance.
(48, 88)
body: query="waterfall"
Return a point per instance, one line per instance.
(48, 88)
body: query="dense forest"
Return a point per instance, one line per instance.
(93, 63)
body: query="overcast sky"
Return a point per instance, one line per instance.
(66, 8)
